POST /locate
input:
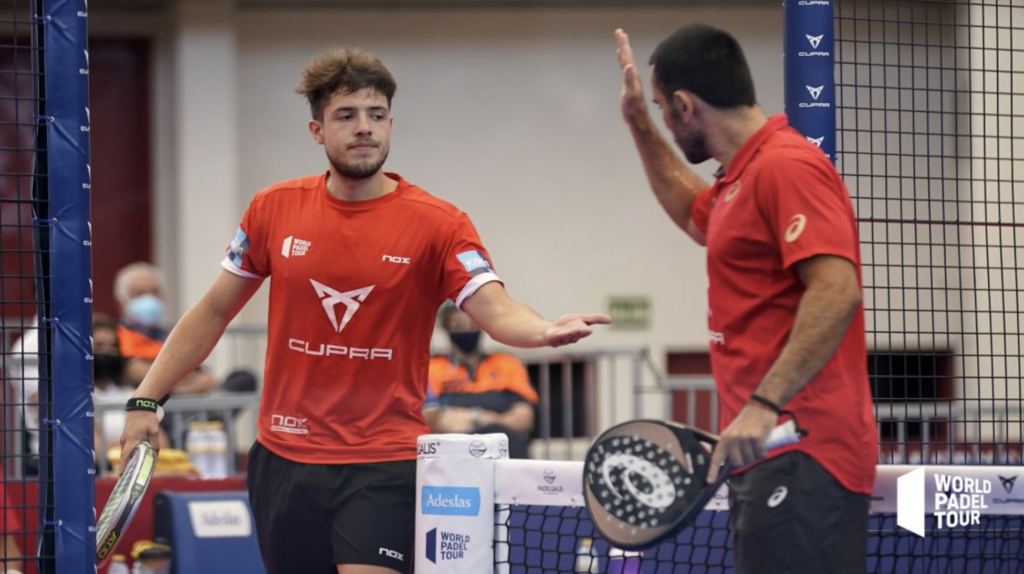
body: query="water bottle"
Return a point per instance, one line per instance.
(117, 565)
(197, 444)
(586, 561)
(217, 439)
(207, 446)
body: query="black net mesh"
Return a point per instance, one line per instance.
(930, 116)
(24, 286)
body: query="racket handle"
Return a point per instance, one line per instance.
(784, 434)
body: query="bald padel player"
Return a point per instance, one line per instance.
(360, 261)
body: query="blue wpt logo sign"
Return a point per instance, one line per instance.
(956, 500)
(447, 546)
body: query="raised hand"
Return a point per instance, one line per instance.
(633, 104)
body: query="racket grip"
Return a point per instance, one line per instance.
(784, 434)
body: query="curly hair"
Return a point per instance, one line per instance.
(343, 69)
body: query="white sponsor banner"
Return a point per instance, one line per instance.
(220, 519)
(551, 483)
(994, 490)
(476, 446)
(455, 502)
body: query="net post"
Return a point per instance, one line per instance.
(455, 501)
(67, 87)
(810, 86)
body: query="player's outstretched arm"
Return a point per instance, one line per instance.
(186, 347)
(512, 323)
(674, 184)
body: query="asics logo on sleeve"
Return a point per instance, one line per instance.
(331, 298)
(796, 227)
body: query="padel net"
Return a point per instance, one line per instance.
(478, 511)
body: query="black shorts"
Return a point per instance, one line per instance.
(310, 517)
(789, 515)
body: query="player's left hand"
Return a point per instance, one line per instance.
(568, 329)
(743, 441)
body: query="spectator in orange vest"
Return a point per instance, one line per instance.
(470, 392)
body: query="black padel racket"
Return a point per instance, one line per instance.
(124, 500)
(645, 480)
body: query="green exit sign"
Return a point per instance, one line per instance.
(632, 313)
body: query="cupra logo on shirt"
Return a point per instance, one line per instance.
(331, 298)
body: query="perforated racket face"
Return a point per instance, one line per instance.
(124, 500)
(642, 478)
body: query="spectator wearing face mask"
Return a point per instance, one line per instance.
(109, 386)
(108, 379)
(139, 289)
(470, 392)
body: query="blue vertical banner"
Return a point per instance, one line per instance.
(67, 123)
(810, 85)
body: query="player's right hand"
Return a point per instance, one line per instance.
(633, 105)
(139, 426)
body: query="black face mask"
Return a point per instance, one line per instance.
(107, 367)
(465, 341)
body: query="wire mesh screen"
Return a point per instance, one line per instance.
(930, 112)
(23, 284)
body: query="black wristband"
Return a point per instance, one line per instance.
(765, 402)
(142, 405)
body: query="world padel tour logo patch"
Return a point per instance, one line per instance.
(450, 500)
(239, 246)
(444, 545)
(957, 500)
(475, 262)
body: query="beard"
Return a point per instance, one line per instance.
(695, 147)
(692, 141)
(358, 169)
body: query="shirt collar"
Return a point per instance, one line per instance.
(750, 147)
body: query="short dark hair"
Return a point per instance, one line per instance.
(707, 61)
(345, 69)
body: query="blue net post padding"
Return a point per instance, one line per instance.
(67, 122)
(810, 86)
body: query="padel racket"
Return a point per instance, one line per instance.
(124, 500)
(645, 480)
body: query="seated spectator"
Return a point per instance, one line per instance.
(139, 290)
(470, 392)
(109, 387)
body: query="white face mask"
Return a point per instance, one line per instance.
(145, 309)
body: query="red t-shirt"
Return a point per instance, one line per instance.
(780, 202)
(354, 292)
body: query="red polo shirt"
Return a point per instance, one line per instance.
(781, 201)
